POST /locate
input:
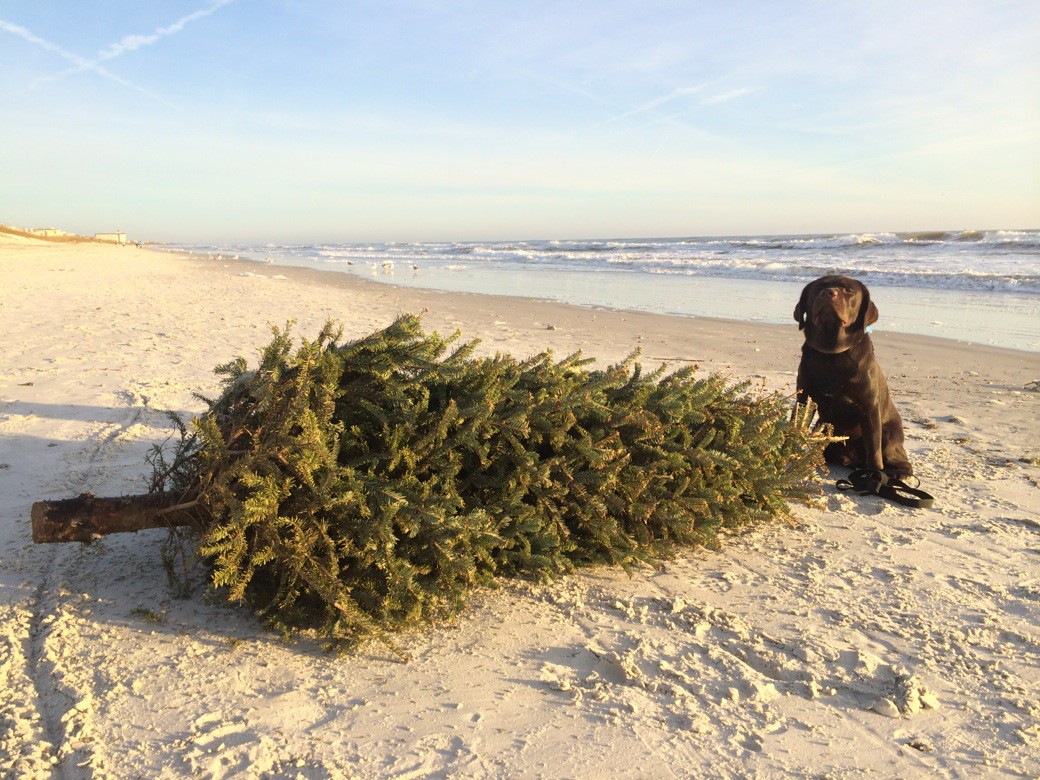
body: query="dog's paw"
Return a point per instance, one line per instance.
(899, 470)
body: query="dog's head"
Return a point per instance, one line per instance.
(834, 312)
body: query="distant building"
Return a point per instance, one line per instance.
(47, 232)
(116, 238)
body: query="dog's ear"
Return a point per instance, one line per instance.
(868, 313)
(872, 314)
(803, 307)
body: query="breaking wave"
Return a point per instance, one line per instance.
(973, 260)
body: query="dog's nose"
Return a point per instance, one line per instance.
(833, 292)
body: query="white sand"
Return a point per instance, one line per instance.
(870, 640)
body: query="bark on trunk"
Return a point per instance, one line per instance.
(86, 517)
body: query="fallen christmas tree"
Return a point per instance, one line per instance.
(362, 488)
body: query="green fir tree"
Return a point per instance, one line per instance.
(367, 487)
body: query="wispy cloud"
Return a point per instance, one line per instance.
(725, 97)
(126, 44)
(683, 92)
(675, 94)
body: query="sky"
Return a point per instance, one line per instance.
(394, 120)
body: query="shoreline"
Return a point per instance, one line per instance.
(415, 293)
(862, 638)
(633, 283)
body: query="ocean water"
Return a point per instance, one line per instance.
(974, 286)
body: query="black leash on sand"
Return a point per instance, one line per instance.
(866, 482)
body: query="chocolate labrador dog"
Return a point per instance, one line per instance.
(839, 372)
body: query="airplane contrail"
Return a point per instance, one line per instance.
(135, 42)
(81, 63)
(127, 43)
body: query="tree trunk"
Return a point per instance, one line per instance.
(85, 518)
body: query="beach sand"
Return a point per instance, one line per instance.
(866, 639)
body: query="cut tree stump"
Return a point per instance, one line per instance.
(86, 517)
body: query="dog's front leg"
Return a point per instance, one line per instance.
(872, 451)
